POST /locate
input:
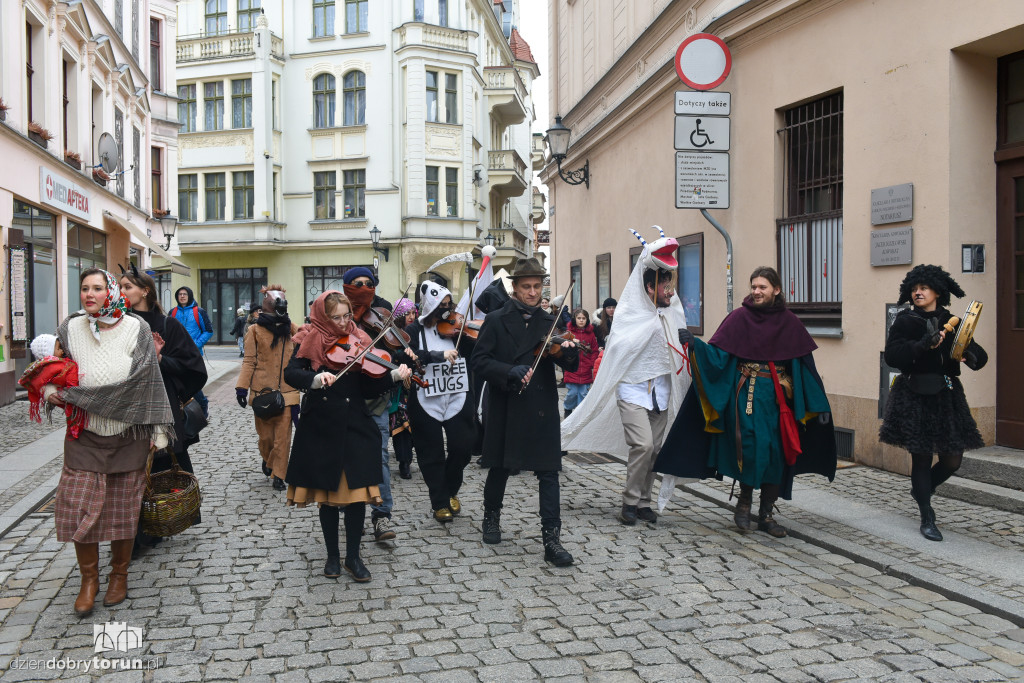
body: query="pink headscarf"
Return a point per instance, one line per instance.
(317, 338)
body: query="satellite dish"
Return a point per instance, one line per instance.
(110, 160)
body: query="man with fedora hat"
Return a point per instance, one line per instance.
(522, 421)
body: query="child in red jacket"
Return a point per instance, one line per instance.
(578, 383)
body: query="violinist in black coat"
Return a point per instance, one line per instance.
(521, 420)
(927, 410)
(335, 457)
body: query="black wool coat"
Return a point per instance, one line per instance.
(521, 431)
(336, 431)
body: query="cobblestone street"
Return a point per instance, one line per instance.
(242, 596)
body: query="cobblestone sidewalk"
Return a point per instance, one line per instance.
(242, 597)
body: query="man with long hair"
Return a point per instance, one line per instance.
(757, 410)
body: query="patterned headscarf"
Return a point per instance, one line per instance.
(403, 306)
(113, 309)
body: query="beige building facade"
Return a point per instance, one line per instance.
(831, 99)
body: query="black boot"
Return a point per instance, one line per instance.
(553, 550)
(928, 528)
(279, 484)
(404, 469)
(765, 521)
(355, 516)
(743, 503)
(492, 526)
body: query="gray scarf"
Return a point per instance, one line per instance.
(140, 400)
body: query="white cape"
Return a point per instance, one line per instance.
(636, 350)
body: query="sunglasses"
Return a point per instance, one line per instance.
(361, 284)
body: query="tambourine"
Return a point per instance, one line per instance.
(965, 332)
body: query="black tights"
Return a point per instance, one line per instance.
(924, 478)
(355, 516)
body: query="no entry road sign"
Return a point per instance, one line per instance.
(703, 61)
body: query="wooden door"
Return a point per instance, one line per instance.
(1010, 304)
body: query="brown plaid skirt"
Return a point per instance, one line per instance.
(92, 507)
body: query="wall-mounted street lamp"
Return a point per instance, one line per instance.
(558, 143)
(375, 238)
(168, 224)
(489, 239)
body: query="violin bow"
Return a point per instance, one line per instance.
(469, 310)
(547, 339)
(384, 330)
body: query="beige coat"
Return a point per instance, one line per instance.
(262, 368)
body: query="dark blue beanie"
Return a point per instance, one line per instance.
(359, 271)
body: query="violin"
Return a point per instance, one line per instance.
(569, 336)
(554, 345)
(373, 322)
(450, 327)
(375, 364)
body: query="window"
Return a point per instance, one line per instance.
(137, 165)
(65, 103)
(216, 17)
(135, 29)
(119, 139)
(432, 96)
(634, 256)
(691, 280)
(451, 98)
(356, 16)
(810, 235)
(242, 181)
(576, 275)
(213, 105)
(87, 248)
(355, 98)
(442, 12)
(323, 18)
(323, 101)
(241, 103)
(29, 70)
(119, 18)
(273, 102)
(355, 193)
(216, 196)
(156, 178)
(325, 185)
(188, 197)
(432, 208)
(248, 13)
(187, 108)
(273, 197)
(604, 277)
(320, 279)
(417, 10)
(451, 190)
(154, 53)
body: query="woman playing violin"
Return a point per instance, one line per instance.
(578, 383)
(446, 407)
(335, 458)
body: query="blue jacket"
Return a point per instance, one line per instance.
(194, 318)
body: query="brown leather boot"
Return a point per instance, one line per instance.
(120, 558)
(89, 564)
(743, 503)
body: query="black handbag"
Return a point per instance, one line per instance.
(194, 419)
(269, 403)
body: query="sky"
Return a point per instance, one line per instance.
(533, 25)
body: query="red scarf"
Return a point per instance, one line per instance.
(361, 298)
(318, 337)
(60, 372)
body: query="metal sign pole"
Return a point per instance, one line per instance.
(728, 259)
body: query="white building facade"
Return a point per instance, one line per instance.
(70, 72)
(305, 125)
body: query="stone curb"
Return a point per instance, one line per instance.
(985, 600)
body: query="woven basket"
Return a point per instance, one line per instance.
(166, 511)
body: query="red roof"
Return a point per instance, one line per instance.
(520, 49)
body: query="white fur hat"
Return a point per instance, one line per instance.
(43, 346)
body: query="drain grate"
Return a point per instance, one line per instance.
(844, 443)
(589, 458)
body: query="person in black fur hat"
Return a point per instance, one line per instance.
(927, 411)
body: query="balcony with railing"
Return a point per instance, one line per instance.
(537, 211)
(537, 151)
(429, 35)
(213, 47)
(506, 94)
(506, 173)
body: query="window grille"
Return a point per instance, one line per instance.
(810, 235)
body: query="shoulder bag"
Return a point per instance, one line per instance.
(269, 403)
